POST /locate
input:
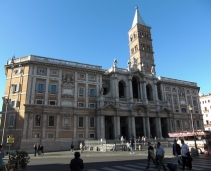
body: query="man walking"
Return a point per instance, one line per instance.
(176, 151)
(160, 156)
(185, 150)
(151, 155)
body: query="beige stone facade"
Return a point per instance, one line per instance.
(56, 102)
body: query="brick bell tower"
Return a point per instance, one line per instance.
(140, 44)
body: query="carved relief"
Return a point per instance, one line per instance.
(181, 92)
(167, 88)
(68, 78)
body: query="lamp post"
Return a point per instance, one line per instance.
(7, 100)
(191, 112)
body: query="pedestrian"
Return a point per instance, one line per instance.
(131, 147)
(81, 147)
(185, 150)
(71, 148)
(41, 149)
(160, 156)
(35, 150)
(77, 163)
(1, 158)
(38, 150)
(144, 140)
(114, 147)
(128, 146)
(151, 155)
(122, 139)
(176, 151)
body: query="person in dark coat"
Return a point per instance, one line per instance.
(77, 163)
(35, 149)
(176, 149)
(151, 156)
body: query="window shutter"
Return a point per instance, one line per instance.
(36, 86)
(49, 87)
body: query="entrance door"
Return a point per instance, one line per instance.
(164, 127)
(123, 127)
(139, 127)
(152, 122)
(109, 127)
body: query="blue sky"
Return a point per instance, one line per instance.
(95, 32)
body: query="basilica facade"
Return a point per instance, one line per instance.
(54, 102)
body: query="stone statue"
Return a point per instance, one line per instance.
(153, 70)
(115, 63)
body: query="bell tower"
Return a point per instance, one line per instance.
(140, 44)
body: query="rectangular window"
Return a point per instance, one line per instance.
(82, 76)
(91, 77)
(52, 102)
(54, 72)
(53, 89)
(80, 122)
(91, 92)
(81, 91)
(80, 104)
(194, 102)
(40, 87)
(92, 136)
(80, 135)
(40, 102)
(92, 105)
(14, 103)
(175, 101)
(51, 121)
(91, 122)
(11, 120)
(15, 88)
(37, 120)
(42, 71)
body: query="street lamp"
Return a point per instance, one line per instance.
(7, 100)
(191, 114)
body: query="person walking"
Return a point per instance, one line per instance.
(1, 158)
(114, 147)
(35, 149)
(176, 151)
(81, 147)
(71, 148)
(131, 147)
(185, 150)
(77, 163)
(160, 156)
(41, 150)
(151, 155)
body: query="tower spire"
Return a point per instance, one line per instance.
(137, 18)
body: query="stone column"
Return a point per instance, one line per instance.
(25, 124)
(59, 88)
(33, 88)
(30, 126)
(159, 127)
(145, 126)
(116, 126)
(74, 125)
(44, 123)
(144, 92)
(133, 126)
(87, 95)
(57, 125)
(103, 126)
(148, 127)
(98, 127)
(162, 92)
(130, 89)
(140, 91)
(155, 92)
(47, 86)
(87, 127)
